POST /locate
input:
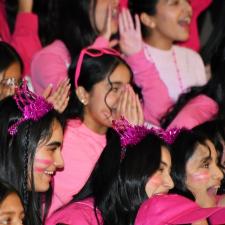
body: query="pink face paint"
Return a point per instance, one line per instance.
(40, 165)
(201, 176)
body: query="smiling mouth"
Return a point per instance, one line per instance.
(213, 190)
(50, 173)
(185, 22)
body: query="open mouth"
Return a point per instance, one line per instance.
(185, 22)
(213, 190)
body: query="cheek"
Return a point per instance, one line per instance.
(202, 177)
(154, 183)
(41, 164)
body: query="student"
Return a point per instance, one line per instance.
(132, 168)
(172, 62)
(31, 138)
(11, 206)
(101, 91)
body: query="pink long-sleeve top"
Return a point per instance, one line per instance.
(24, 39)
(79, 213)
(81, 150)
(198, 110)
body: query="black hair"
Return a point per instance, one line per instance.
(93, 70)
(6, 189)
(8, 56)
(143, 6)
(118, 184)
(17, 155)
(181, 151)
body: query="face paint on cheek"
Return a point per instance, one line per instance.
(201, 177)
(40, 165)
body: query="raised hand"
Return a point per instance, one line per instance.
(130, 35)
(60, 97)
(129, 106)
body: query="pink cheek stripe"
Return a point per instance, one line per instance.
(201, 176)
(38, 169)
(44, 161)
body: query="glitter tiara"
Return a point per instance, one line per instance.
(133, 134)
(31, 105)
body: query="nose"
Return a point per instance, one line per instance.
(58, 162)
(169, 182)
(217, 173)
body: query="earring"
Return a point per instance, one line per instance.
(83, 102)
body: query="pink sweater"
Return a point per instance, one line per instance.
(175, 209)
(25, 37)
(81, 150)
(198, 110)
(77, 213)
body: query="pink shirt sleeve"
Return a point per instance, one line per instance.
(155, 93)
(195, 112)
(25, 38)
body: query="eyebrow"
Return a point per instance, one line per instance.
(54, 144)
(206, 159)
(164, 163)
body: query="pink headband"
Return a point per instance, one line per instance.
(90, 51)
(33, 107)
(132, 135)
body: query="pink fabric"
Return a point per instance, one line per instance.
(196, 111)
(198, 7)
(171, 209)
(123, 4)
(81, 150)
(79, 213)
(155, 93)
(218, 217)
(49, 66)
(25, 37)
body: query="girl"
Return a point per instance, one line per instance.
(24, 35)
(195, 170)
(163, 23)
(101, 91)
(124, 177)
(79, 25)
(201, 103)
(11, 206)
(11, 67)
(31, 138)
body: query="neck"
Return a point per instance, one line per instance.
(95, 127)
(159, 42)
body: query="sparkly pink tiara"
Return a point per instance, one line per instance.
(32, 106)
(132, 135)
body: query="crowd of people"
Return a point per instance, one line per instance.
(111, 113)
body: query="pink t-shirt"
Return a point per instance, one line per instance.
(81, 150)
(79, 213)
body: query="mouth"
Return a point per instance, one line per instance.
(49, 173)
(213, 190)
(185, 22)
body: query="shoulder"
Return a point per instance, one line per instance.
(82, 212)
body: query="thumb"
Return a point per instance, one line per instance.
(113, 43)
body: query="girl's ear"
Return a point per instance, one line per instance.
(148, 20)
(82, 95)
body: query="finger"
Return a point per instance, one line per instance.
(124, 20)
(107, 23)
(113, 43)
(62, 106)
(139, 111)
(129, 19)
(137, 24)
(132, 107)
(121, 26)
(124, 102)
(46, 93)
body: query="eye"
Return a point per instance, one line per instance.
(161, 169)
(174, 2)
(206, 165)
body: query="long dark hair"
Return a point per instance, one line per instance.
(213, 89)
(8, 56)
(17, 156)
(181, 150)
(93, 70)
(118, 185)
(143, 6)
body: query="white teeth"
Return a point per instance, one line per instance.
(49, 172)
